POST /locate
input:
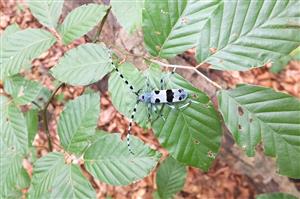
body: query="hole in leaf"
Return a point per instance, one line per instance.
(239, 127)
(184, 20)
(194, 96)
(196, 142)
(163, 12)
(241, 111)
(210, 154)
(212, 50)
(21, 92)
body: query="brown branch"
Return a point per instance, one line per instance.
(44, 116)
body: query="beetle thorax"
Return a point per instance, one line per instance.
(145, 97)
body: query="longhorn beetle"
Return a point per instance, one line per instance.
(154, 97)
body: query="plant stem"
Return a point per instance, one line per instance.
(199, 65)
(101, 26)
(188, 68)
(44, 116)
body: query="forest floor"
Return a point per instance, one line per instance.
(232, 175)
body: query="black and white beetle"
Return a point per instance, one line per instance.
(154, 97)
(164, 96)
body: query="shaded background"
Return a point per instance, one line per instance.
(233, 174)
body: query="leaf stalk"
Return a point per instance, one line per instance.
(95, 39)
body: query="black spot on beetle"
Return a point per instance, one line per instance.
(134, 109)
(121, 76)
(170, 95)
(132, 116)
(156, 92)
(116, 69)
(180, 98)
(157, 100)
(180, 90)
(131, 87)
(126, 82)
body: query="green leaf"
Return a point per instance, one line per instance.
(20, 48)
(155, 195)
(52, 178)
(296, 54)
(10, 30)
(172, 26)
(279, 64)
(32, 154)
(191, 135)
(46, 170)
(70, 183)
(83, 65)
(32, 121)
(276, 196)
(122, 97)
(128, 13)
(47, 11)
(255, 113)
(13, 126)
(241, 35)
(99, 134)
(78, 121)
(170, 178)
(10, 168)
(109, 160)
(23, 179)
(22, 90)
(81, 20)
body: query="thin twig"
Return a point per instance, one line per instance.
(189, 68)
(44, 116)
(101, 26)
(53, 94)
(199, 65)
